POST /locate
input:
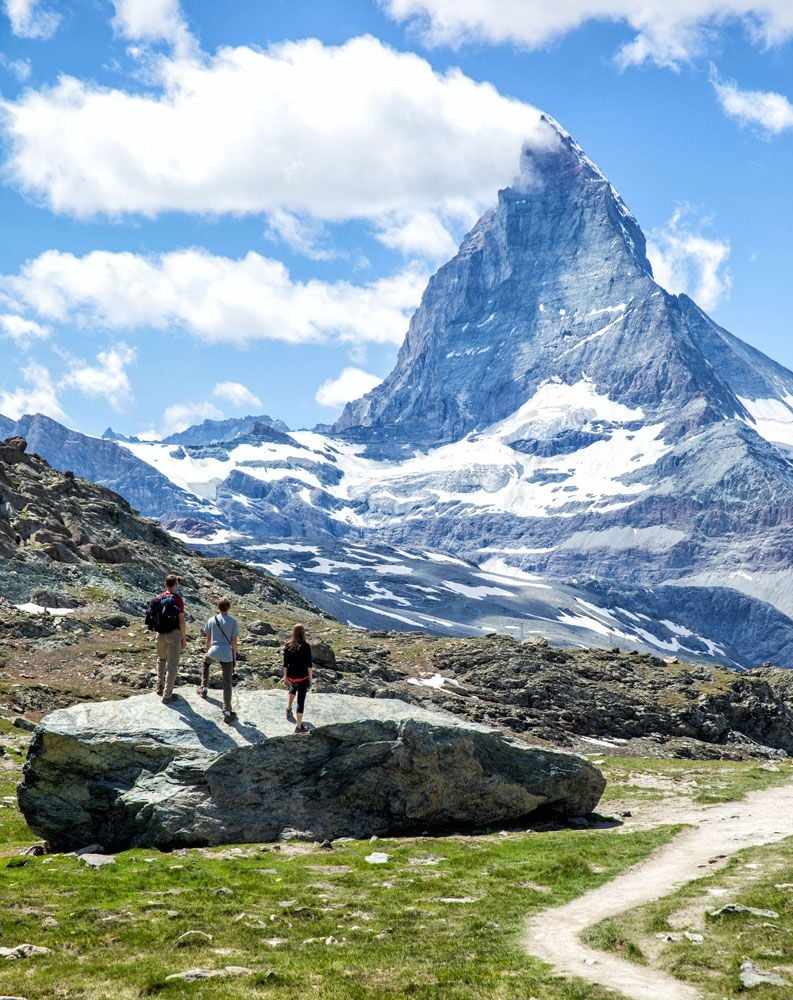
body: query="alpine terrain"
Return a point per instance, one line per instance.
(602, 460)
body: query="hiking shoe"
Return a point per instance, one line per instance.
(229, 717)
(290, 715)
(302, 729)
(158, 690)
(201, 692)
(168, 698)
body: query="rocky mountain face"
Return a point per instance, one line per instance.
(553, 412)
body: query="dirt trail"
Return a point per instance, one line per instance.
(553, 935)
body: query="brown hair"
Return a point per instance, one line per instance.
(223, 605)
(171, 580)
(298, 638)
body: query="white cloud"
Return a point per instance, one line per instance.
(352, 383)
(180, 416)
(23, 332)
(218, 299)
(684, 260)
(29, 21)
(305, 236)
(108, 380)
(667, 32)
(38, 396)
(20, 68)
(237, 394)
(768, 110)
(420, 233)
(154, 21)
(298, 131)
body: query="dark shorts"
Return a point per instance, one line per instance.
(300, 688)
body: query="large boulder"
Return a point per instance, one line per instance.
(140, 773)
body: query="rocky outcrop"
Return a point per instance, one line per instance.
(560, 695)
(65, 541)
(136, 772)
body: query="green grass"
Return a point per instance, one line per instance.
(754, 877)
(347, 929)
(705, 782)
(393, 935)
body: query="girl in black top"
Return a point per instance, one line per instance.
(297, 674)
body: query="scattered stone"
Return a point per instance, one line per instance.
(193, 975)
(668, 937)
(90, 849)
(50, 923)
(730, 908)
(223, 891)
(274, 942)
(693, 938)
(378, 858)
(23, 951)
(193, 937)
(96, 860)
(457, 899)
(751, 976)
(22, 723)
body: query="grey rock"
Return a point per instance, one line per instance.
(195, 975)
(22, 723)
(137, 772)
(730, 908)
(751, 976)
(23, 951)
(90, 849)
(97, 860)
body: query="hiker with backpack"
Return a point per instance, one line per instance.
(166, 617)
(221, 633)
(297, 674)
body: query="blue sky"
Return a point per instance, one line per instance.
(213, 209)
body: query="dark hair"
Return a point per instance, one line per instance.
(223, 605)
(172, 580)
(298, 638)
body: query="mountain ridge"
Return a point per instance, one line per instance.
(551, 406)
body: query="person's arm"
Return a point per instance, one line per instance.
(286, 681)
(310, 666)
(234, 648)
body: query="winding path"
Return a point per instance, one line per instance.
(553, 935)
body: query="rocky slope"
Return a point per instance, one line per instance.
(65, 541)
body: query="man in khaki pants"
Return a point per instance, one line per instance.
(170, 643)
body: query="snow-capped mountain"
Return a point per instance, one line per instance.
(552, 408)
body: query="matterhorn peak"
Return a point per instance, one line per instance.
(552, 281)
